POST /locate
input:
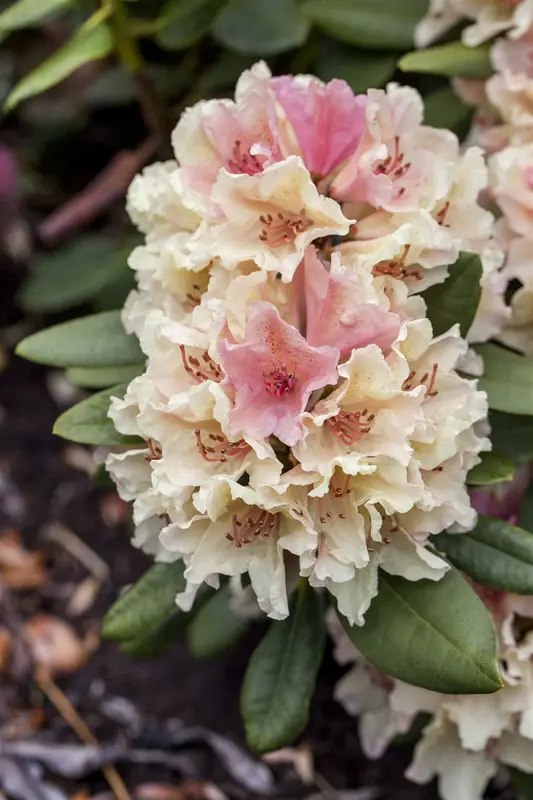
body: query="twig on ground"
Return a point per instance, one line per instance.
(63, 705)
(96, 565)
(109, 185)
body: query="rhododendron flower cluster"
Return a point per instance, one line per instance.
(466, 736)
(299, 416)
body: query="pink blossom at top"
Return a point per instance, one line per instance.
(273, 372)
(337, 313)
(328, 119)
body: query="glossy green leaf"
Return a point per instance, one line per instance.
(507, 379)
(457, 299)
(454, 59)
(184, 22)
(361, 69)
(512, 435)
(494, 553)
(281, 675)
(434, 634)
(73, 274)
(114, 295)
(265, 28)
(147, 605)
(216, 627)
(377, 24)
(525, 511)
(26, 13)
(522, 783)
(493, 468)
(156, 641)
(88, 44)
(445, 109)
(101, 377)
(98, 340)
(87, 422)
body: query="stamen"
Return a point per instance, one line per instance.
(397, 268)
(155, 451)
(200, 372)
(220, 449)
(350, 427)
(193, 298)
(242, 161)
(441, 215)
(393, 165)
(411, 381)
(283, 228)
(279, 382)
(259, 524)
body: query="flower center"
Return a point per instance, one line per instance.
(393, 165)
(201, 369)
(257, 524)
(349, 426)
(283, 227)
(278, 382)
(219, 448)
(396, 267)
(242, 161)
(428, 380)
(193, 298)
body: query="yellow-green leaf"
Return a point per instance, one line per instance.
(454, 59)
(26, 13)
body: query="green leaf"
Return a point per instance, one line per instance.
(525, 511)
(494, 553)
(185, 22)
(87, 422)
(507, 379)
(145, 606)
(88, 44)
(445, 109)
(522, 783)
(281, 675)
(98, 340)
(216, 627)
(101, 377)
(434, 634)
(457, 299)
(25, 13)
(377, 24)
(361, 69)
(155, 642)
(265, 28)
(73, 275)
(493, 468)
(512, 435)
(115, 293)
(454, 59)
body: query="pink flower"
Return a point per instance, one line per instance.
(273, 372)
(338, 313)
(328, 119)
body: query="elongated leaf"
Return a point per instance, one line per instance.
(25, 13)
(267, 28)
(87, 44)
(155, 641)
(457, 299)
(493, 468)
(522, 782)
(494, 553)
(437, 635)
(507, 379)
(87, 422)
(512, 435)
(185, 22)
(525, 512)
(361, 69)
(115, 293)
(98, 340)
(281, 674)
(73, 275)
(216, 627)
(147, 605)
(101, 377)
(454, 59)
(377, 24)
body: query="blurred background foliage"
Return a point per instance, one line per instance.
(90, 92)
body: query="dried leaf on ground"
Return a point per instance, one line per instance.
(69, 761)
(19, 568)
(83, 596)
(21, 780)
(6, 646)
(190, 790)
(301, 758)
(55, 646)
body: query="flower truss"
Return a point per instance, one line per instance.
(300, 418)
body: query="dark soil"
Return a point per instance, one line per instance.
(38, 487)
